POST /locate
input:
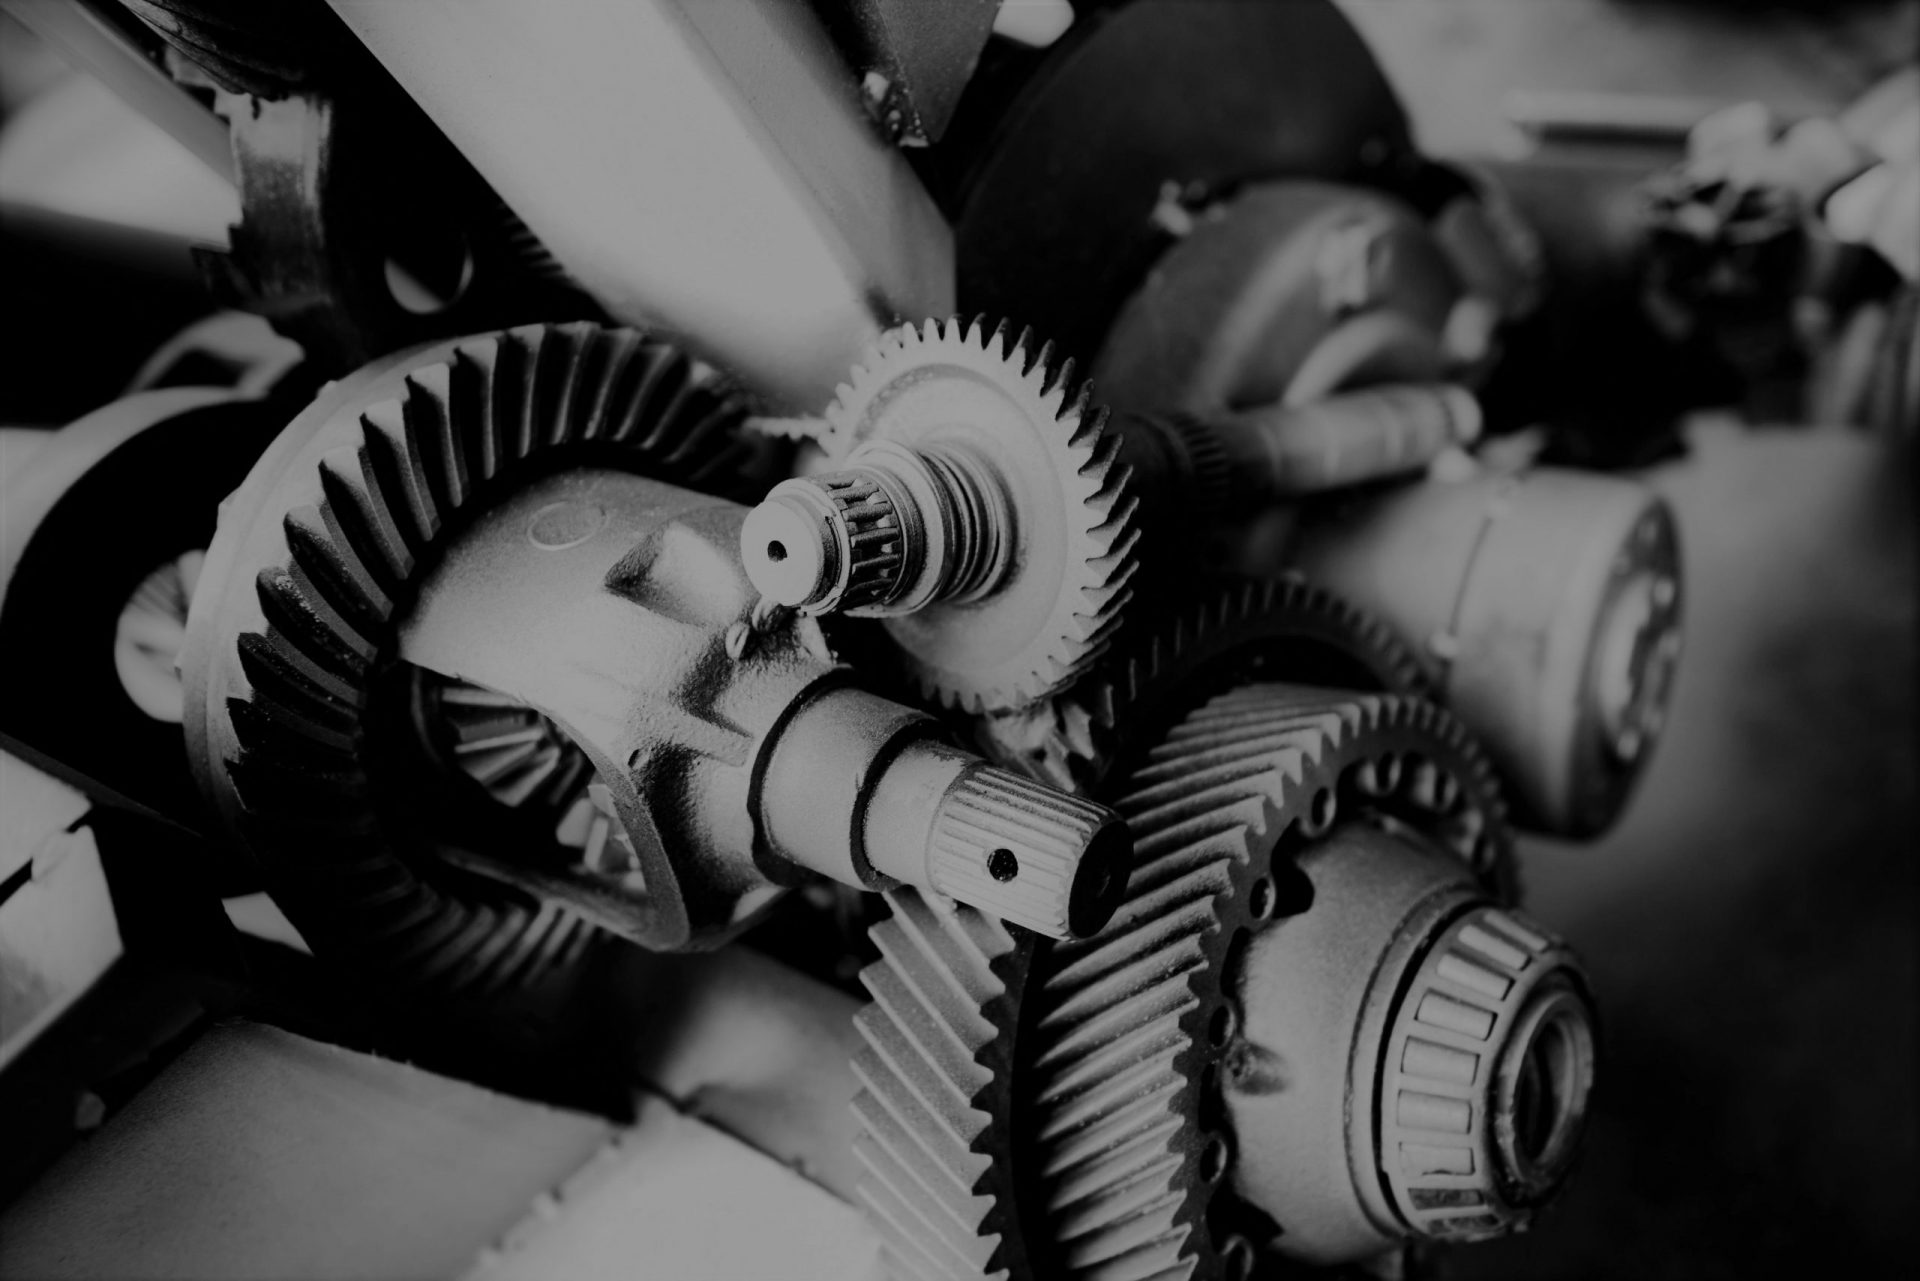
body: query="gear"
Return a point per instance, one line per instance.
(1243, 629)
(1129, 1028)
(523, 764)
(293, 634)
(936, 1069)
(1018, 582)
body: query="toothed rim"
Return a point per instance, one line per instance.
(1117, 1069)
(315, 563)
(939, 1036)
(1076, 617)
(1241, 629)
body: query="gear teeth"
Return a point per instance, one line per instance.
(934, 1073)
(377, 474)
(1117, 1069)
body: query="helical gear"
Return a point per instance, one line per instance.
(937, 1067)
(316, 559)
(1126, 1035)
(1239, 630)
(1060, 603)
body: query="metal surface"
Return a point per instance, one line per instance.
(976, 504)
(1151, 103)
(699, 166)
(913, 60)
(1436, 1049)
(105, 506)
(1285, 293)
(1546, 606)
(733, 752)
(362, 231)
(1014, 1155)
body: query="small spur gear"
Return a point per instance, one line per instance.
(977, 506)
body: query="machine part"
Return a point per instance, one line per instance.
(1286, 293)
(1238, 631)
(770, 224)
(227, 349)
(399, 521)
(1227, 468)
(1441, 1056)
(994, 1068)
(976, 505)
(951, 1197)
(100, 38)
(1056, 222)
(244, 51)
(1546, 607)
(99, 534)
(1136, 1034)
(362, 231)
(913, 60)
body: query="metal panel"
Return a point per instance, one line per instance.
(705, 167)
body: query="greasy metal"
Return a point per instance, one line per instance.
(1405, 1033)
(978, 507)
(1546, 608)
(1284, 294)
(704, 167)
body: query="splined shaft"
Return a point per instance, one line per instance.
(893, 531)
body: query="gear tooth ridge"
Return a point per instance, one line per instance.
(394, 462)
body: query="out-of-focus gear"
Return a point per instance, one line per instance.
(1284, 294)
(99, 534)
(976, 504)
(1546, 607)
(402, 519)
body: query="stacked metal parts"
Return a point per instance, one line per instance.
(662, 522)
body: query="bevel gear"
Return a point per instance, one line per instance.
(976, 504)
(293, 633)
(937, 1067)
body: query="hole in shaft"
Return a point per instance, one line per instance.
(1002, 865)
